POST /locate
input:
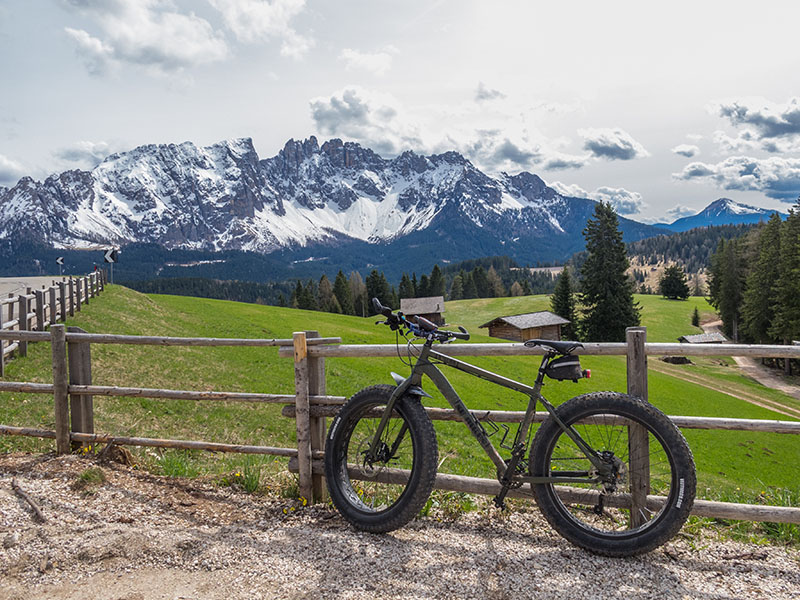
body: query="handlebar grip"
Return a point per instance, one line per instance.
(379, 308)
(425, 324)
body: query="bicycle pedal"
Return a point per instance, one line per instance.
(499, 503)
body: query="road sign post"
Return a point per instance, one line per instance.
(111, 257)
(60, 263)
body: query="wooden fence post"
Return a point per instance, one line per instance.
(23, 323)
(60, 387)
(86, 290)
(53, 306)
(39, 310)
(80, 373)
(317, 425)
(302, 414)
(62, 299)
(638, 443)
(71, 285)
(3, 344)
(78, 295)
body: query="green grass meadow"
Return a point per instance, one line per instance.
(742, 464)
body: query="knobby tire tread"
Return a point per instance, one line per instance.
(423, 474)
(666, 525)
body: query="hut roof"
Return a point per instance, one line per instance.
(422, 306)
(529, 320)
(715, 337)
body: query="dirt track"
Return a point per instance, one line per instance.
(136, 536)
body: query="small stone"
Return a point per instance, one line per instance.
(11, 540)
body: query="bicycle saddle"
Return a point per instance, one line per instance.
(556, 346)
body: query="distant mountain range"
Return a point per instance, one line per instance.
(721, 212)
(308, 201)
(338, 205)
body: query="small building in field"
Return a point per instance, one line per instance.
(431, 308)
(714, 337)
(519, 328)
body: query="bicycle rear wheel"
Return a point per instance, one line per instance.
(645, 489)
(387, 493)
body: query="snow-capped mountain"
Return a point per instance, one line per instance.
(723, 211)
(224, 197)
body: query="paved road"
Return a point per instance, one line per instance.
(13, 285)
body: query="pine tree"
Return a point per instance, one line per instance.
(406, 289)
(482, 287)
(415, 285)
(526, 287)
(562, 303)
(607, 291)
(672, 283)
(424, 287)
(457, 288)
(470, 291)
(436, 283)
(378, 287)
(786, 325)
(496, 287)
(359, 293)
(343, 294)
(761, 291)
(310, 296)
(726, 285)
(696, 318)
(326, 297)
(516, 289)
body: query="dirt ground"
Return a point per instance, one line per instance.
(123, 534)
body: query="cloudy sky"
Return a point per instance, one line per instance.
(658, 108)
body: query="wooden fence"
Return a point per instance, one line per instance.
(309, 406)
(37, 309)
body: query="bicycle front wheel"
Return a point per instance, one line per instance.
(644, 485)
(385, 493)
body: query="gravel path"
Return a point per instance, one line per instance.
(136, 536)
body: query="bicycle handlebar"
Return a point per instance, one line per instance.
(421, 326)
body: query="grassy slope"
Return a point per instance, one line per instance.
(726, 460)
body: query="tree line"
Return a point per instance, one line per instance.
(350, 295)
(754, 282)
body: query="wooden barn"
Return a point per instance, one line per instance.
(429, 308)
(519, 328)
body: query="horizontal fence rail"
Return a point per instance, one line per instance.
(310, 405)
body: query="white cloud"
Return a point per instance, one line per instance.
(484, 93)
(86, 154)
(770, 119)
(775, 176)
(687, 150)
(572, 190)
(612, 144)
(262, 20)
(624, 202)
(378, 63)
(679, 211)
(370, 118)
(10, 170)
(147, 33)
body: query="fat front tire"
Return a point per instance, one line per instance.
(387, 493)
(648, 476)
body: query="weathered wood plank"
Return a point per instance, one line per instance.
(501, 416)
(302, 423)
(80, 373)
(638, 443)
(60, 386)
(317, 425)
(102, 338)
(104, 438)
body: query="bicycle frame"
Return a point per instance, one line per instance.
(424, 366)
